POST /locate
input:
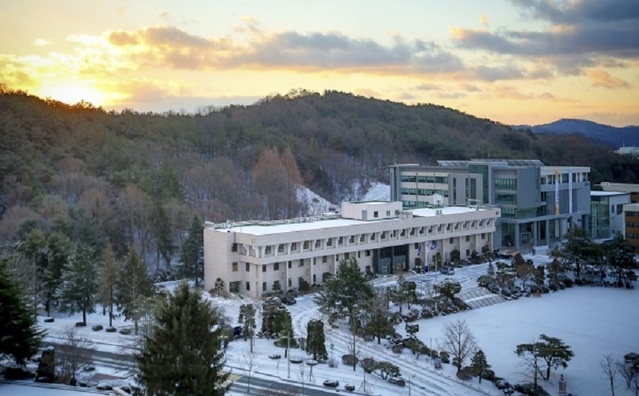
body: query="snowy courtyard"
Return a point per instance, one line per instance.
(593, 321)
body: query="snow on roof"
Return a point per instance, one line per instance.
(317, 223)
(607, 193)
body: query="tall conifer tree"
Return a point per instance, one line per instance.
(182, 356)
(19, 336)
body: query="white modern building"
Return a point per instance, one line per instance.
(251, 257)
(607, 214)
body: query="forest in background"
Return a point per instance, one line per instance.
(128, 179)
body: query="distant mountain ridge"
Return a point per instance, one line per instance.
(606, 134)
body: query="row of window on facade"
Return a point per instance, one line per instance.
(563, 178)
(367, 253)
(425, 179)
(281, 248)
(234, 287)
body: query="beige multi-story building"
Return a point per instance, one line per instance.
(251, 257)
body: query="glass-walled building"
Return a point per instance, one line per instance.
(607, 214)
(538, 203)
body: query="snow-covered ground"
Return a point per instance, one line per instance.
(594, 321)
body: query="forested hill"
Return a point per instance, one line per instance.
(130, 177)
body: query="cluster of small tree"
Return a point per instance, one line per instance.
(628, 368)
(591, 263)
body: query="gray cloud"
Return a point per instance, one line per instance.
(582, 33)
(315, 51)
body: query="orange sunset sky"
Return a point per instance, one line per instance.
(513, 61)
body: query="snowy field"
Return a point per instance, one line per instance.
(594, 321)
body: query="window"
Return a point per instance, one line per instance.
(234, 267)
(264, 286)
(234, 247)
(264, 268)
(368, 253)
(267, 250)
(248, 267)
(290, 264)
(290, 282)
(276, 267)
(294, 246)
(506, 184)
(467, 238)
(248, 286)
(324, 259)
(314, 278)
(451, 240)
(388, 213)
(375, 214)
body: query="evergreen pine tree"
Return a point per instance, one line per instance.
(479, 365)
(80, 282)
(133, 286)
(108, 278)
(247, 318)
(183, 354)
(19, 336)
(191, 260)
(316, 340)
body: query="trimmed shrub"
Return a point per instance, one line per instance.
(110, 330)
(80, 324)
(349, 360)
(368, 364)
(445, 356)
(97, 327)
(529, 389)
(465, 374)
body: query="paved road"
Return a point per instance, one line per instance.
(241, 383)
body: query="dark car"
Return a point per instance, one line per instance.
(288, 300)
(331, 383)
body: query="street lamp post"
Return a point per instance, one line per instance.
(288, 358)
(410, 380)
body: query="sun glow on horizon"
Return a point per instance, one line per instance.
(74, 92)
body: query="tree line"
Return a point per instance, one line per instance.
(137, 179)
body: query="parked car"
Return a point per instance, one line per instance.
(288, 300)
(397, 381)
(331, 383)
(447, 270)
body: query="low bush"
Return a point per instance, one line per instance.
(529, 389)
(80, 324)
(349, 360)
(97, 327)
(110, 330)
(17, 373)
(465, 374)
(49, 320)
(368, 364)
(445, 356)
(489, 375)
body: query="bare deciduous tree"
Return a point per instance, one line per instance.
(459, 342)
(610, 368)
(71, 354)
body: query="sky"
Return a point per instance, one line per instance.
(512, 61)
